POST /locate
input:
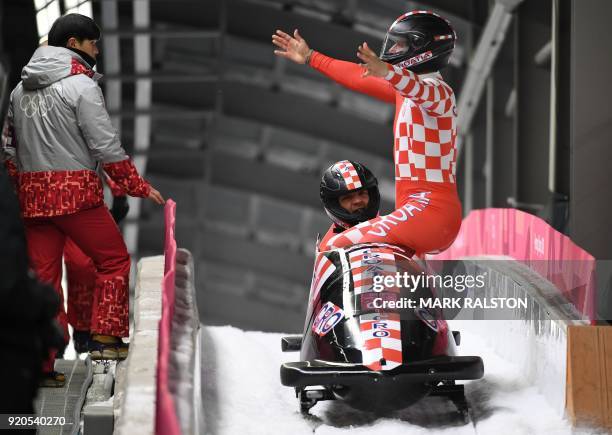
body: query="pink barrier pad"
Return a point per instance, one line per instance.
(169, 242)
(166, 420)
(529, 239)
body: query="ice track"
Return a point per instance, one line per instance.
(242, 395)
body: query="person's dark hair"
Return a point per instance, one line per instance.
(72, 25)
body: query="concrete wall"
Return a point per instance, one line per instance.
(591, 127)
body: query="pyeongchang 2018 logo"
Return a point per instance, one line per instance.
(420, 58)
(37, 103)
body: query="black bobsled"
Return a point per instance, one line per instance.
(361, 345)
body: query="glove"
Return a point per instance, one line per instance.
(120, 208)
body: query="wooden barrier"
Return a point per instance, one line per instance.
(589, 376)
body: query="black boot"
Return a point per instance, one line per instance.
(81, 341)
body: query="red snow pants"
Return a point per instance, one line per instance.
(81, 278)
(95, 232)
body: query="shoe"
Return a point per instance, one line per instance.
(81, 341)
(52, 380)
(107, 347)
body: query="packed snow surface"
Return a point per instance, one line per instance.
(242, 394)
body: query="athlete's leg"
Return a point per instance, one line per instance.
(424, 223)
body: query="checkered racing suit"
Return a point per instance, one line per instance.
(428, 212)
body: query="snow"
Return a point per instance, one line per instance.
(539, 356)
(242, 394)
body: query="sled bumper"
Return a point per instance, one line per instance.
(318, 372)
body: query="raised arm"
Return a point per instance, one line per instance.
(433, 95)
(348, 74)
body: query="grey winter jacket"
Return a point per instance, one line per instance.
(60, 118)
(57, 130)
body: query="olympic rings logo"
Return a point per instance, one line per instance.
(39, 103)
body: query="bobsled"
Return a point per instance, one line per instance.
(366, 343)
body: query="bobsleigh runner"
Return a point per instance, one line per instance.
(375, 359)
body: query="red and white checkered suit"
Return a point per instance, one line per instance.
(425, 122)
(425, 130)
(428, 214)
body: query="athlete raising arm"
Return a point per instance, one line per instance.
(418, 44)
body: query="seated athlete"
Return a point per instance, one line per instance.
(349, 193)
(418, 44)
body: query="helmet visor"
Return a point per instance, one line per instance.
(399, 44)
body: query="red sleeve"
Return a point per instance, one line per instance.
(349, 74)
(116, 190)
(125, 174)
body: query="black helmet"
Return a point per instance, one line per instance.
(345, 177)
(420, 41)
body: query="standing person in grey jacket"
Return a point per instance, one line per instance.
(56, 134)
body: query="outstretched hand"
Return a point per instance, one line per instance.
(156, 197)
(372, 64)
(293, 47)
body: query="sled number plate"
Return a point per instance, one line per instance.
(328, 317)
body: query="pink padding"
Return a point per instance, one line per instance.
(166, 420)
(530, 240)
